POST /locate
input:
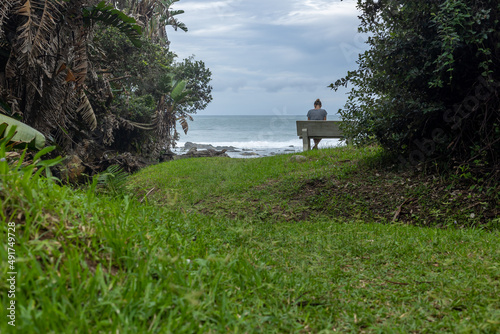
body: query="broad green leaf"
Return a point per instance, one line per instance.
(24, 133)
(177, 91)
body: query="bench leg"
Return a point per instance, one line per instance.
(306, 141)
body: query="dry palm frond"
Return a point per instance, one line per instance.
(80, 61)
(142, 126)
(46, 26)
(184, 124)
(159, 119)
(24, 40)
(5, 9)
(33, 37)
(108, 124)
(47, 64)
(85, 109)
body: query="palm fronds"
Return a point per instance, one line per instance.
(5, 10)
(154, 16)
(113, 17)
(85, 109)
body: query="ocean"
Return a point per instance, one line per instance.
(251, 136)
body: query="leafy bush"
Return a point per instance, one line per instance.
(428, 86)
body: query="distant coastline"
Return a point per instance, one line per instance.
(240, 152)
(303, 115)
(249, 135)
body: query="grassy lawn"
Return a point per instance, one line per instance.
(338, 242)
(342, 182)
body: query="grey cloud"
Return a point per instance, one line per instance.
(261, 51)
(280, 82)
(233, 84)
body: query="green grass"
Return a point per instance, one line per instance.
(264, 245)
(205, 184)
(348, 183)
(378, 278)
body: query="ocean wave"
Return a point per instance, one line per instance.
(259, 144)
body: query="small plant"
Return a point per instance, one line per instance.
(30, 169)
(112, 180)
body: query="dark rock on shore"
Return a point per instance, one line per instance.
(189, 145)
(194, 153)
(249, 154)
(167, 156)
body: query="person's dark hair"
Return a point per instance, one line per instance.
(317, 103)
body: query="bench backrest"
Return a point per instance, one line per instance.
(325, 129)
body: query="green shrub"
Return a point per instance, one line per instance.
(428, 86)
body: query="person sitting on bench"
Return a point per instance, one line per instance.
(316, 114)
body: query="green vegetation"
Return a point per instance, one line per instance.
(23, 133)
(339, 241)
(268, 245)
(97, 78)
(427, 88)
(348, 183)
(152, 93)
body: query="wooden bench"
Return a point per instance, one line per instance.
(317, 129)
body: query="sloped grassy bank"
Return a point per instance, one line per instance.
(347, 183)
(247, 246)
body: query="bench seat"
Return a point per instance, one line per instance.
(318, 129)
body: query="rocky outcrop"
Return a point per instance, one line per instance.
(249, 154)
(167, 156)
(189, 145)
(194, 153)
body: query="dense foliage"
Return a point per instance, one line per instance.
(139, 97)
(97, 77)
(427, 88)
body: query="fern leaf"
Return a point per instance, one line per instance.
(113, 180)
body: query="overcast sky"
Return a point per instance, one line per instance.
(270, 57)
